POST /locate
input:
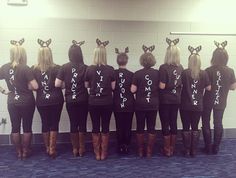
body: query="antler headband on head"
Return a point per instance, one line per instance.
(172, 42)
(78, 43)
(221, 45)
(19, 43)
(194, 50)
(44, 43)
(100, 43)
(126, 50)
(146, 49)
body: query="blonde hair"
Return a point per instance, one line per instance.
(100, 56)
(147, 60)
(172, 55)
(45, 60)
(17, 55)
(194, 64)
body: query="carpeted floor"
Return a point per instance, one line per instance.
(65, 165)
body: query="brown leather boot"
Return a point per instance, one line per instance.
(81, 144)
(46, 141)
(194, 142)
(140, 144)
(167, 143)
(187, 142)
(75, 143)
(26, 143)
(172, 144)
(52, 144)
(150, 144)
(16, 140)
(96, 137)
(104, 146)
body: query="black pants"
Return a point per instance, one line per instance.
(168, 115)
(190, 119)
(24, 113)
(78, 116)
(100, 116)
(217, 119)
(123, 127)
(50, 116)
(146, 116)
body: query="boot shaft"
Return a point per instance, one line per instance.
(150, 144)
(75, 143)
(194, 142)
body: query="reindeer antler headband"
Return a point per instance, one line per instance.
(20, 42)
(78, 43)
(221, 45)
(126, 50)
(194, 50)
(44, 43)
(146, 49)
(172, 42)
(100, 43)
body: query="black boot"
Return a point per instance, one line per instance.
(194, 142)
(217, 139)
(187, 142)
(207, 140)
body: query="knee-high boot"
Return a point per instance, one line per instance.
(104, 146)
(166, 148)
(46, 141)
(172, 144)
(207, 140)
(217, 140)
(96, 137)
(81, 144)
(16, 140)
(150, 144)
(52, 144)
(75, 143)
(140, 144)
(26, 143)
(194, 142)
(186, 135)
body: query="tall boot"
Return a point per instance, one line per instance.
(150, 144)
(75, 143)
(81, 144)
(166, 148)
(172, 144)
(46, 141)
(140, 144)
(16, 140)
(207, 140)
(194, 142)
(217, 139)
(104, 146)
(186, 135)
(96, 137)
(26, 143)
(52, 144)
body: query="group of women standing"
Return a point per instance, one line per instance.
(101, 90)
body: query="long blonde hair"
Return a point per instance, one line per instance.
(172, 55)
(45, 60)
(194, 64)
(17, 55)
(100, 56)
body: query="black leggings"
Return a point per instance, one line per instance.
(78, 116)
(50, 116)
(149, 117)
(190, 119)
(168, 115)
(24, 113)
(123, 127)
(100, 116)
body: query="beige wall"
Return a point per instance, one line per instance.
(124, 23)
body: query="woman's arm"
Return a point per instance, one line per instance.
(233, 86)
(133, 88)
(59, 83)
(3, 91)
(113, 85)
(162, 85)
(208, 88)
(33, 85)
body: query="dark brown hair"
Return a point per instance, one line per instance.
(147, 60)
(220, 57)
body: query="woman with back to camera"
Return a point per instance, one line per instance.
(222, 80)
(145, 86)
(123, 102)
(99, 78)
(195, 81)
(49, 99)
(76, 95)
(21, 103)
(170, 92)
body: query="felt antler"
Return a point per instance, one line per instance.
(78, 43)
(44, 43)
(172, 42)
(117, 51)
(223, 44)
(194, 50)
(146, 49)
(104, 43)
(126, 49)
(220, 45)
(217, 44)
(20, 42)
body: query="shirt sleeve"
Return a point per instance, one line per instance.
(29, 74)
(135, 79)
(1, 74)
(207, 80)
(113, 78)
(61, 73)
(162, 75)
(232, 78)
(86, 76)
